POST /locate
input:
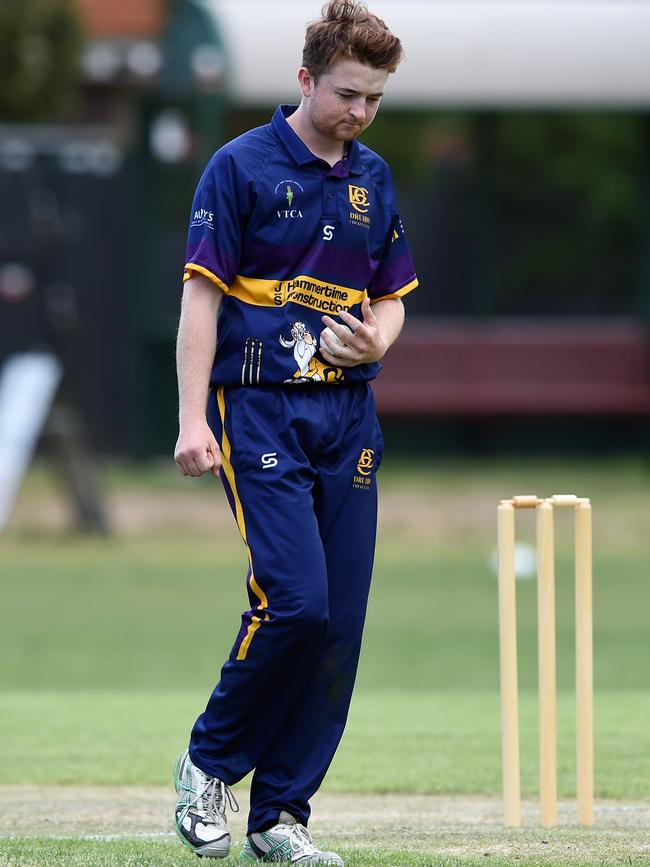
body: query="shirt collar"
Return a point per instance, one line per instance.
(349, 165)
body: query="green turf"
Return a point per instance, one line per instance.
(71, 852)
(398, 740)
(114, 614)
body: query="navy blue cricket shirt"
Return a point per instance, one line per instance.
(289, 238)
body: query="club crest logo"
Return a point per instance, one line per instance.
(288, 194)
(366, 462)
(362, 481)
(359, 198)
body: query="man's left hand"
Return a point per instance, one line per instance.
(364, 345)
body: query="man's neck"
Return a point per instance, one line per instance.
(328, 149)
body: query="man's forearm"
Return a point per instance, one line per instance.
(195, 345)
(390, 318)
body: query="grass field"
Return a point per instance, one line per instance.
(109, 648)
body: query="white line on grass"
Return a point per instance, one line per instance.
(105, 838)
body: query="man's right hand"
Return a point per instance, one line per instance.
(197, 451)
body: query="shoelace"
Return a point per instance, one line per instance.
(215, 796)
(299, 837)
(212, 797)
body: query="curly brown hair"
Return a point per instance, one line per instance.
(348, 30)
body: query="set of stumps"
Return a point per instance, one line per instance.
(545, 509)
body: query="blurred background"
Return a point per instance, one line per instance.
(519, 138)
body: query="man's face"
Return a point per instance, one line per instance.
(344, 100)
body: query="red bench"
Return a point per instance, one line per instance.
(517, 367)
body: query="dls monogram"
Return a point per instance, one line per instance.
(359, 198)
(365, 465)
(366, 460)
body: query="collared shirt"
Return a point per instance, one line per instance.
(289, 238)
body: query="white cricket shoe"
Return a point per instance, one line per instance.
(287, 842)
(201, 809)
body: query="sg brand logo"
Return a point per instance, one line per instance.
(270, 459)
(328, 232)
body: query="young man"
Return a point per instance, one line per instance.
(296, 248)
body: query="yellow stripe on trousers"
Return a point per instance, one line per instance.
(239, 515)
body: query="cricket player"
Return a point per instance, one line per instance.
(295, 271)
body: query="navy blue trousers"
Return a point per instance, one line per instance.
(299, 467)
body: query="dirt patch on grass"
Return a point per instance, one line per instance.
(411, 511)
(457, 826)
(437, 512)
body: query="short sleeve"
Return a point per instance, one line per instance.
(215, 233)
(395, 275)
